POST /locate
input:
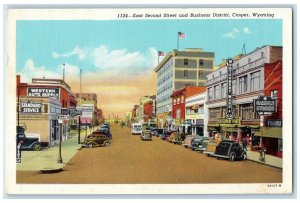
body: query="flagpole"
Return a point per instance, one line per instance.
(177, 42)
(157, 58)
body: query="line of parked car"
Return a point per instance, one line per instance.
(215, 147)
(100, 138)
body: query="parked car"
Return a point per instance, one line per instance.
(160, 131)
(230, 149)
(153, 131)
(107, 133)
(171, 137)
(146, 134)
(199, 143)
(179, 137)
(96, 140)
(165, 134)
(187, 142)
(28, 143)
(211, 147)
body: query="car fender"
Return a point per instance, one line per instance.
(32, 144)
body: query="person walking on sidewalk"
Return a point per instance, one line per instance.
(244, 144)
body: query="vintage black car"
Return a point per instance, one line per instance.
(27, 143)
(159, 131)
(229, 149)
(105, 132)
(97, 139)
(165, 134)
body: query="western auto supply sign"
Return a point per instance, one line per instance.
(43, 92)
(265, 105)
(229, 114)
(30, 107)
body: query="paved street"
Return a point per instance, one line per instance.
(130, 160)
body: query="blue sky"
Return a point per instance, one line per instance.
(104, 49)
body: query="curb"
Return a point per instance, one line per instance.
(264, 163)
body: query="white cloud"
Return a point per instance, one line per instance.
(30, 71)
(82, 53)
(123, 60)
(246, 30)
(232, 34)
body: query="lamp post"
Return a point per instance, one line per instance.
(59, 160)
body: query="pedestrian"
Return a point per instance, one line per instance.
(245, 144)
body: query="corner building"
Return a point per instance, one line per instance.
(178, 69)
(247, 84)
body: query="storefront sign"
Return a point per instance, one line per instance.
(235, 121)
(264, 105)
(30, 107)
(43, 92)
(274, 123)
(63, 117)
(229, 113)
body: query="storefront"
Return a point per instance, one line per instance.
(38, 116)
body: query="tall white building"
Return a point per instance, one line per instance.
(178, 69)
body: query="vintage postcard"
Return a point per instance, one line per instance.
(149, 101)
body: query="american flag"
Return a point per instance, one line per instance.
(181, 35)
(161, 53)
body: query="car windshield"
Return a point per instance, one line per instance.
(160, 130)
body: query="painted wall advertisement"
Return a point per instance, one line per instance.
(87, 112)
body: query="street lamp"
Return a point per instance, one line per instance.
(59, 160)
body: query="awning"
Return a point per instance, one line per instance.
(272, 132)
(195, 107)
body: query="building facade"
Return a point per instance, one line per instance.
(38, 116)
(196, 113)
(43, 89)
(271, 128)
(178, 69)
(248, 82)
(179, 102)
(87, 102)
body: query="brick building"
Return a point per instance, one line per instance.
(178, 102)
(271, 131)
(51, 95)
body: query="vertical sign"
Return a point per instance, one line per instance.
(19, 153)
(229, 114)
(153, 107)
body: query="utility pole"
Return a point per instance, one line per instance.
(79, 126)
(59, 160)
(64, 72)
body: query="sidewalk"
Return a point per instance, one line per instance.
(269, 160)
(47, 158)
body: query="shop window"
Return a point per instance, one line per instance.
(182, 99)
(214, 114)
(247, 112)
